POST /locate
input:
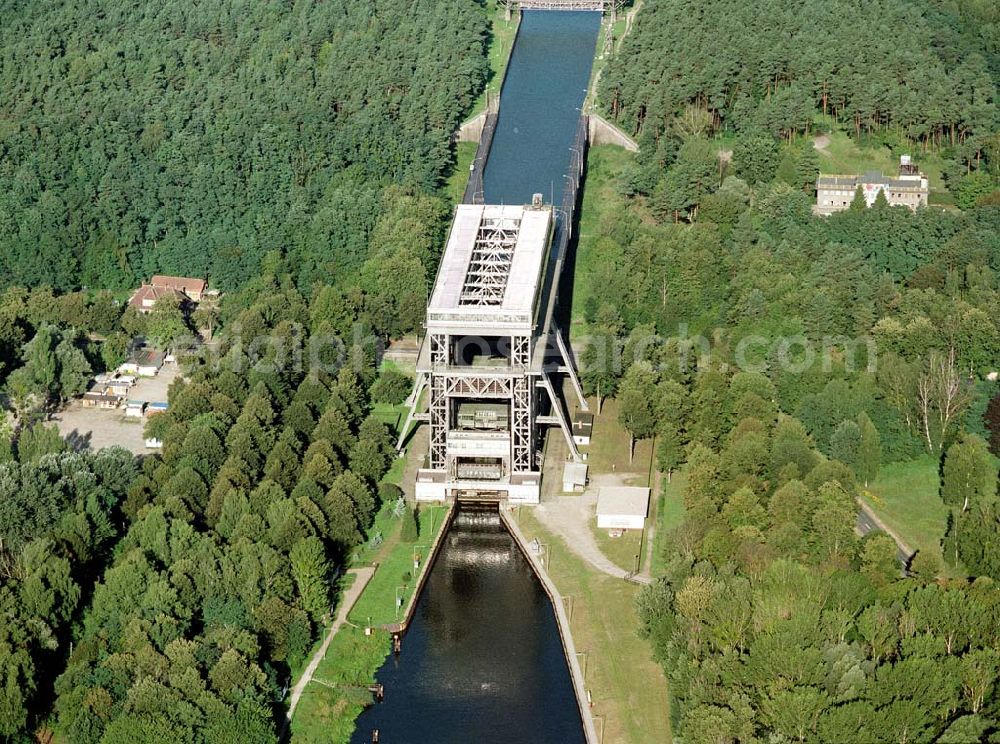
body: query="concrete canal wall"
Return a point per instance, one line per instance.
(562, 620)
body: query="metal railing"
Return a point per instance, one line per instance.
(474, 188)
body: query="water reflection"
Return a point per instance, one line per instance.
(540, 106)
(482, 660)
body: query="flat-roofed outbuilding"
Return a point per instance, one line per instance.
(622, 507)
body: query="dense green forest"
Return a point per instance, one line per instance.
(60, 514)
(269, 474)
(910, 74)
(195, 138)
(292, 153)
(781, 360)
(173, 598)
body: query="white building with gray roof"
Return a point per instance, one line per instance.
(834, 193)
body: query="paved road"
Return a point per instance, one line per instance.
(362, 577)
(868, 522)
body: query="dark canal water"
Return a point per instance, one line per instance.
(482, 662)
(540, 106)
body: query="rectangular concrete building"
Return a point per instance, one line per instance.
(574, 477)
(909, 189)
(622, 507)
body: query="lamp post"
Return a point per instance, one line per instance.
(579, 157)
(416, 558)
(399, 598)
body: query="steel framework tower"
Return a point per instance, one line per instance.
(484, 358)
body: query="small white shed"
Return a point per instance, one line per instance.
(574, 477)
(622, 507)
(583, 427)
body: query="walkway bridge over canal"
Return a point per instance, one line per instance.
(591, 5)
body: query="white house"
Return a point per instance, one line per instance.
(622, 507)
(142, 362)
(574, 476)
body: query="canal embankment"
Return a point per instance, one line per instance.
(503, 32)
(334, 688)
(533, 552)
(627, 687)
(422, 564)
(482, 659)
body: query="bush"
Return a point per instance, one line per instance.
(410, 532)
(391, 387)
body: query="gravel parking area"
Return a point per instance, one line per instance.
(95, 428)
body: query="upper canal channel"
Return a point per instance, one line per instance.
(482, 660)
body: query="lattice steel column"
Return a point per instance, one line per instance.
(439, 349)
(439, 422)
(522, 429)
(520, 355)
(438, 404)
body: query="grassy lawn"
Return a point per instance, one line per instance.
(671, 514)
(905, 496)
(600, 201)
(394, 576)
(465, 152)
(391, 415)
(608, 450)
(620, 550)
(608, 455)
(337, 694)
(628, 687)
(844, 156)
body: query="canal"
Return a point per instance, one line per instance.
(482, 660)
(540, 106)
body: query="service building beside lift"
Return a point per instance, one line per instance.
(483, 358)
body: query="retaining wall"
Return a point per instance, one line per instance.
(602, 132)
(562, 622)
(426, 570)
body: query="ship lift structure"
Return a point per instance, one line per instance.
(491, 363)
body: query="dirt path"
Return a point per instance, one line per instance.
(821, 143)
(651, 530)
(415, 450)
(362, 577)
(570, 516)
